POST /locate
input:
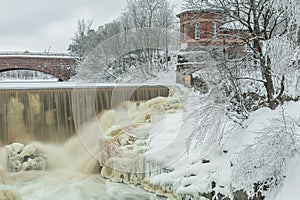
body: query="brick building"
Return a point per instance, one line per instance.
(206, 29)
(210, 28)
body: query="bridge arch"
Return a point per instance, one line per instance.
(61, 66)
(59, 77)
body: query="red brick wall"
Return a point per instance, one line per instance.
(205, 19)
(62, 68)
(225, 39)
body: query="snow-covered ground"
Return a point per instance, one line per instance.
(290, 189)
(196, 169)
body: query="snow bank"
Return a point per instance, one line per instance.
(195, 175)
(158, 141)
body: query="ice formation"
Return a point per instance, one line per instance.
(21, 157)
(127, 132)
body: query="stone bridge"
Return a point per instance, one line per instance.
(59, 65)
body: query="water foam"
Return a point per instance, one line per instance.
(72, 174)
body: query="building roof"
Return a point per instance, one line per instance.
(208, 10)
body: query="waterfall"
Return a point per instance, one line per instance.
(48, 114)
(45, 122)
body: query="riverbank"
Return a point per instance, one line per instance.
(226, 161)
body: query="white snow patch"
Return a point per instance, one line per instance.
(194, 173)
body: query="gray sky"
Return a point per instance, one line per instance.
(36, 25)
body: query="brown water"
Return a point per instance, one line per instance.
(73, 175)
(53, 115)
(48, 119)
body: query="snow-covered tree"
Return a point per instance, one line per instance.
(85, 39)
(123, 50)
(266, 23)
(140, 14)
(150, 13)
(124, 57)
(260, 167)
(112, 28)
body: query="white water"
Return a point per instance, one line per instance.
(72, 175)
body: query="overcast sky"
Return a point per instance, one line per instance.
(37, 25)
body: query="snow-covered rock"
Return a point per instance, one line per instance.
(21, 157)
(124, 144)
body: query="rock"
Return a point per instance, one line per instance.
(35, 162)
(28, 150)
(126, 139)
(14, 148)
(17, 147)
(14, 164)
(205, 161)
(123, 147)
(22, 157)
(240, 195)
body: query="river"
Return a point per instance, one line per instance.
(71, 172)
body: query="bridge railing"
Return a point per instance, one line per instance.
(28, 53)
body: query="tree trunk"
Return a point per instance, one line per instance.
(267, 75)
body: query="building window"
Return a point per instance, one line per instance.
(197, 31)
(214, 30)
(184, 32)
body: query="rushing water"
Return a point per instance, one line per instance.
(36, 116)
(73, 174)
